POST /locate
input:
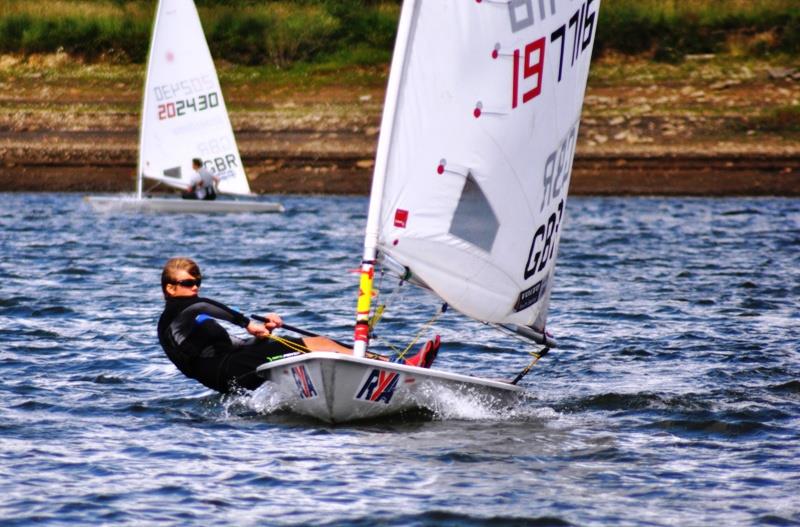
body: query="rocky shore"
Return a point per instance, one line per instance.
(704, 137)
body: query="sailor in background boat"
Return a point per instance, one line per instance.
(201, 183)
(203, 350)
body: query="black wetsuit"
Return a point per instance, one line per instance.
(202, 349)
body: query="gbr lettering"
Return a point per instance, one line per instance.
(543, 243)
(221, 164)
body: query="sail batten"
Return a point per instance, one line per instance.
(183, 111)
(477, 153)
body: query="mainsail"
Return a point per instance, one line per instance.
(184, 114)
(476, 149)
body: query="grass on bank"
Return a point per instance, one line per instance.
(51, 77)
(243, 32)
(281, 33)
(671, 29)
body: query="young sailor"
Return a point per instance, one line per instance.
(201, 183)
(203, 350)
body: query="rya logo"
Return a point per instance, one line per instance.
(379, 385)
(303, 381)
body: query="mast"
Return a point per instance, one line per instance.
(396, 74)
(139, 168)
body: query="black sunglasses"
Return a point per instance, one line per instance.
(188, 283)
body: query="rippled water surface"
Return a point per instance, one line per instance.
(673, 400)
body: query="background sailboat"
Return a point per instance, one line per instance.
(184, 117)
(470, 186)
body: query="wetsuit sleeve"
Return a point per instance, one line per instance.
(184, 323)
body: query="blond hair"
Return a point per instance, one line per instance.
(177, 264)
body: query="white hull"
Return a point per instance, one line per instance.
(132, 204)
(338, 388)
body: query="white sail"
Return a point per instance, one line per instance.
(184, 114)
(478, 149)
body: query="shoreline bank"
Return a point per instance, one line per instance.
(714, 127)
(593, 174)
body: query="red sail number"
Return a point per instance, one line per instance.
(532, 66)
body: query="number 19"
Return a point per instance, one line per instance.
(532, 66)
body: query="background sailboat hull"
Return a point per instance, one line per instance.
(338, 388)
(132, 204)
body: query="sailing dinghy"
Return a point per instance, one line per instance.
(184, 117)
(469, 191)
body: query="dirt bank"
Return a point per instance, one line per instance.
(717, 133)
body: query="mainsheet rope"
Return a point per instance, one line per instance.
(377, 315)
(294, 346)
(380, 308)
(425, 326)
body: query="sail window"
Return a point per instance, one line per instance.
(173, 172)
(474, 220)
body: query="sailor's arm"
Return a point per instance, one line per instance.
(183, 324)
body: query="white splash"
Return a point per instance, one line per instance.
(464, 403)
(267, 399)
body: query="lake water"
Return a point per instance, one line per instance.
(674, 398)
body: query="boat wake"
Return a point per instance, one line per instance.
(467, 404)
(435, 403)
